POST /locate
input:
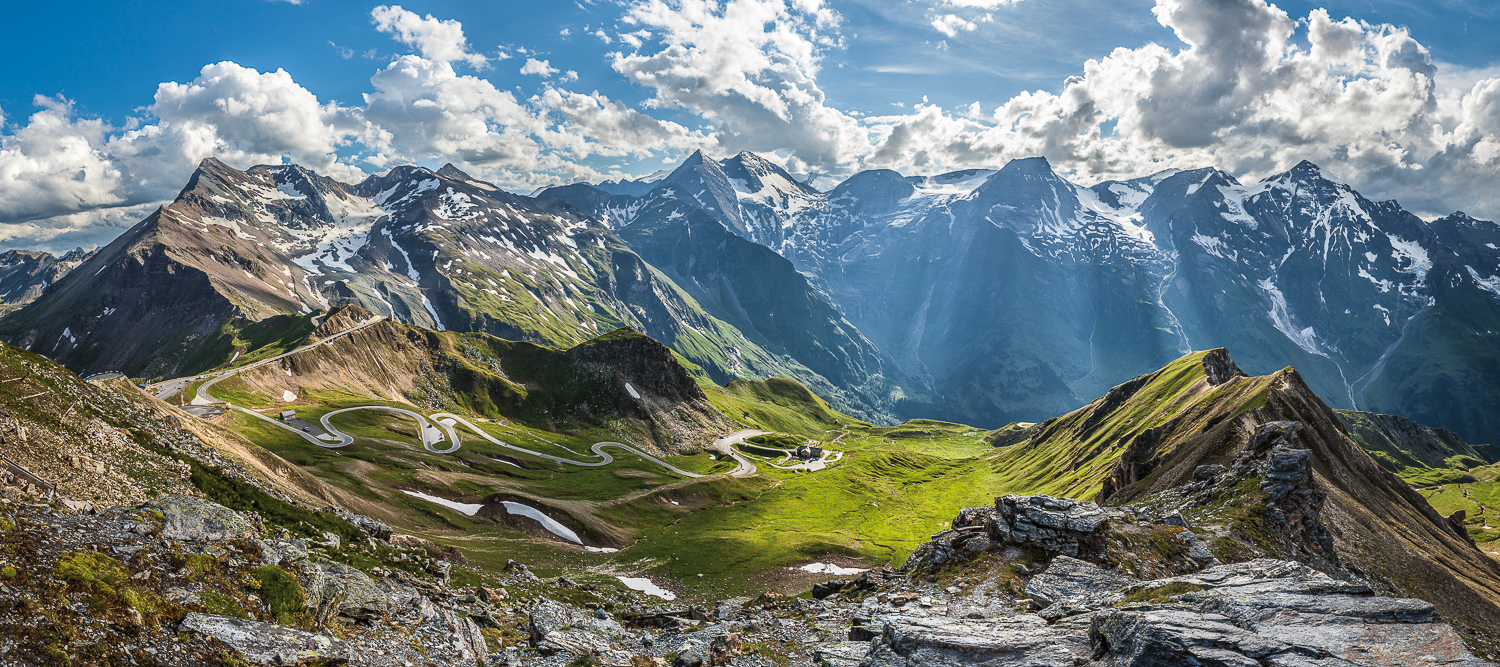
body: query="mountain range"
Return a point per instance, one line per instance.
(1014, 294)
(979, 296)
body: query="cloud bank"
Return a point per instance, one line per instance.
(1250, 89)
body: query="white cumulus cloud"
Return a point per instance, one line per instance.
(950, 24)
(60, 173)
(435, 39)
(1249, 88)
(538, 67)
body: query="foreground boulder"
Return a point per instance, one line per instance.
(1263, 612)
(337, 589)
(192, 519)
(1047, 523)
(264, 643)
(1275, 613)
(1258, 613)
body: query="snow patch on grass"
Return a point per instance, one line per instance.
(462, 508)
(645, 585)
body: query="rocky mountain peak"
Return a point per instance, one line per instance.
(213, 176)
(1028, 197)
(757, 175)
(1218, 368)
(696, 167)
(450, 171)
(703, 182)
(1307, 176)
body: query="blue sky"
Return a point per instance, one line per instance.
(837, 86)
(110, 64)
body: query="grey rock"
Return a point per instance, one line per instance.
(842, 654)
(196, 520)
(1268, 612)
(1175, 519)
(1177, 637)
(548, 617)
(1056, 525)
(283, 552)
(264, 643)
(692, 653)
(1208, 472)
(1078, 583)
(1013, 641)
(556, 627)
(335, 588)
(972, 516)
(373, 527)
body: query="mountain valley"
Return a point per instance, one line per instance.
(720, 417)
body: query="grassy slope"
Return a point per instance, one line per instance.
(886, 496)
(892, 489)
(1453, 475)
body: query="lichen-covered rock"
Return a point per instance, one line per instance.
(337, 589)
(192, 519)
(283, 552)
(557, 627)
(1277, 613)
(264, 643)
(1072, 581)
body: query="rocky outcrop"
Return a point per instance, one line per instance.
(1218, 368)
(196, 520)
(264, 643)
(1262, 612)
(1287, 477)
(558, 628)
(1055, 525)
(1275, 613)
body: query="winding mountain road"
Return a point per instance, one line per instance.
(439, 426)
(726, 445)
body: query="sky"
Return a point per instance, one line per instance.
(108, 106)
